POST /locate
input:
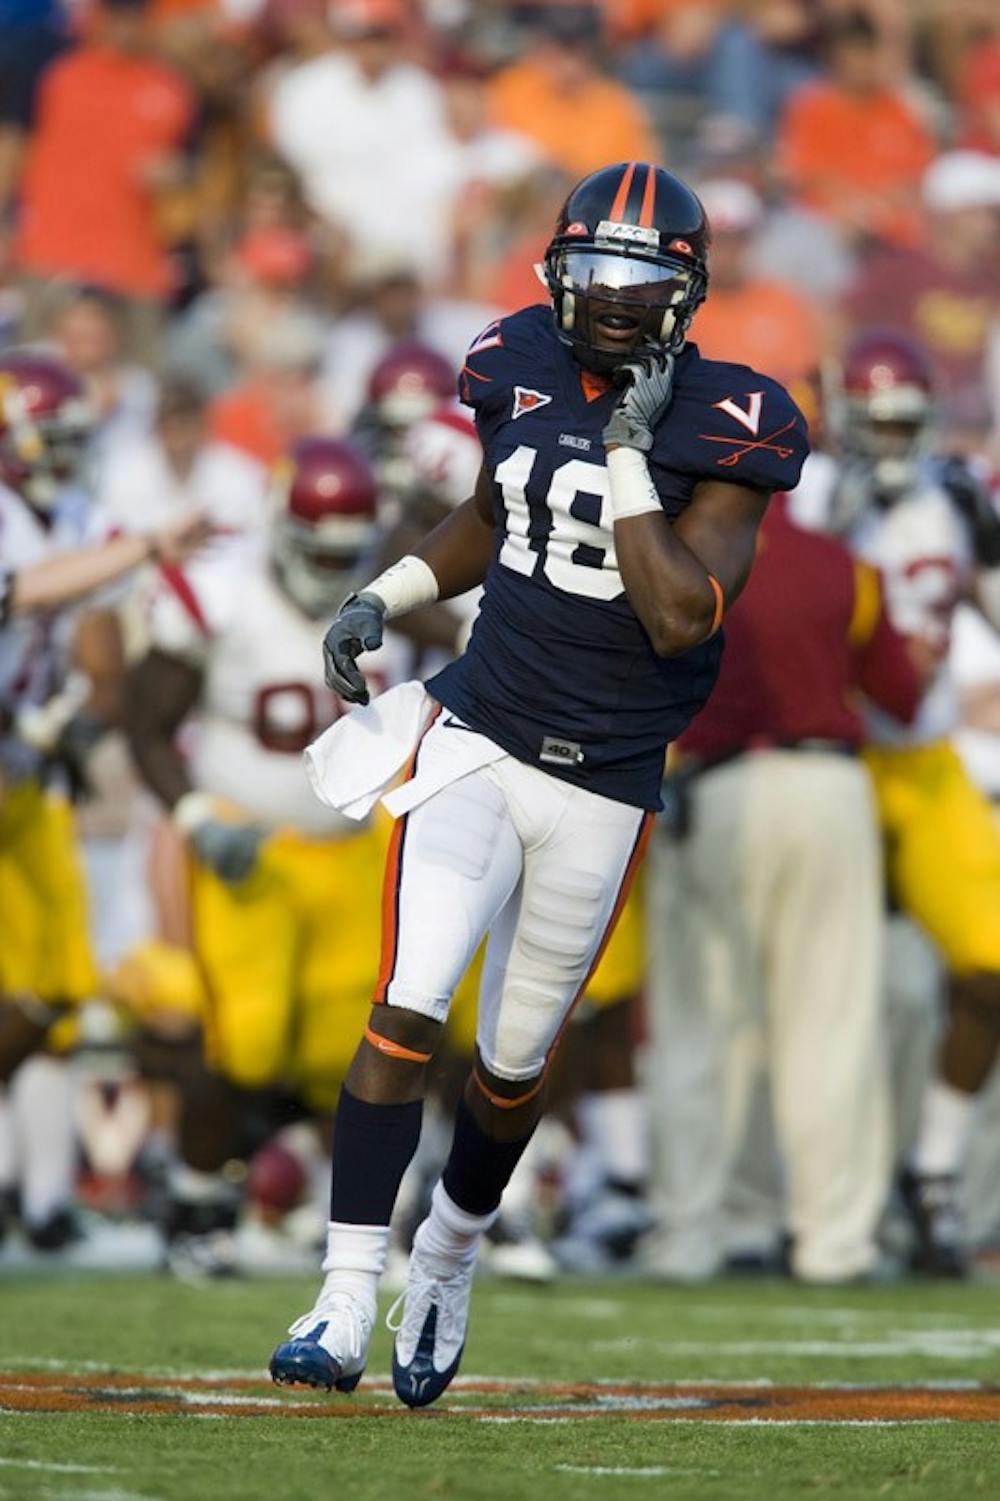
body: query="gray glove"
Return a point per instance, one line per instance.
(230, 849)
(357, 628)
(648, 380)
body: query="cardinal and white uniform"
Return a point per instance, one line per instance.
(44, 944)
(943, 848)
(532, 792)
(289, 956)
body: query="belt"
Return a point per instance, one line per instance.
(694, 765)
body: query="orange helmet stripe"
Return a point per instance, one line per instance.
(621, 197)
(648, 199)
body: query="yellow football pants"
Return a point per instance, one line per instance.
(943, 851)
(290, 960)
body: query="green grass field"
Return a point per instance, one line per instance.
(140, 1389)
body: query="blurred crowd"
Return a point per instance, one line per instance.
(244, 227)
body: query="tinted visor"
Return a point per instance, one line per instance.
(622, 278)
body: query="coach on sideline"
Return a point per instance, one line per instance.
(766, 894)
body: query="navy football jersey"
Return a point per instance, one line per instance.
(559, 670)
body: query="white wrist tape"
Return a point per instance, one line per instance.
(192, 809)
(632, 490)
(407, 585)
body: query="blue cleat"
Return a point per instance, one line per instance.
(328, 1348)
(430, 1335)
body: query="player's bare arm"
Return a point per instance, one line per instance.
(160, 692)
(667, 569)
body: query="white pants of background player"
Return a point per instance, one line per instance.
(765, 932)
(509, 849)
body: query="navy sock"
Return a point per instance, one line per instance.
(478, 1168)
(373, 1145)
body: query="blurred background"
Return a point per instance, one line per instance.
(238, 235)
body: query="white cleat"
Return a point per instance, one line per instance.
(430, 1334)
(329, 1345)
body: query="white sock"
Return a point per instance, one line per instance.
(355, 1260)
(614, 1124)
(451, 1233)
(42, 1100)
(944, 1127)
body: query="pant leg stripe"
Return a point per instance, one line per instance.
(392, 883)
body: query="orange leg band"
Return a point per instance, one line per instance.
(392, 1049)
(501, 1101)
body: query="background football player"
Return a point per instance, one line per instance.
(611, 523)
(926, 522)
(50, 713)
(284, 892)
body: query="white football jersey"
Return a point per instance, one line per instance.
(923, 547)
(138, 490)
(263, 697)
(35, 647)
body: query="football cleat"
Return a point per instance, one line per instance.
(430, 1334)
(329, 1345)
(931, 1203)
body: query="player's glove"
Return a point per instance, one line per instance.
(230, 849)
(648, 385)
(357, 628)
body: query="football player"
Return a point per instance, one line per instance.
(47, 562)
(928, 524)
(613, 520)
(407, 385)
(47, 722)
(284, 892)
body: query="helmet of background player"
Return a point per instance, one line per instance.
(445, 456)
(627, 267)
(45, 425)
(409, 381)
(886, 406)
(324, 522)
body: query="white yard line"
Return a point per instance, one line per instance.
(937, 1344)
(640, 1472)
(52, 1468)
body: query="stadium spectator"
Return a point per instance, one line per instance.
(366, 131)
(149, 478)
(277, 399)
(852, 147)
(86, 330)
(979, 98)
(752, 319)
(557, 95)
(767, 914)
(944, 292)
(32, 33)
(111, 122)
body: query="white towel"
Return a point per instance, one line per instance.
(353, 762)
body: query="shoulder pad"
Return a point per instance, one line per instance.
(496, 355)
(731, 423)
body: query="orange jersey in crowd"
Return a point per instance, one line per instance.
(847, 156)
(764, 324)
(86, 213)
(579, 132)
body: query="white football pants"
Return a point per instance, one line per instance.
(508, 849)
(766, 952)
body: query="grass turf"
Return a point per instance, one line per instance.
(577, 1332)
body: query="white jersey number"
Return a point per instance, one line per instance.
(578, 556)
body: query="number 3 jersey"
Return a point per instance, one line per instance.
(263, 697)
(559, 670)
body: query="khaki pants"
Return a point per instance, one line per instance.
(765, 940)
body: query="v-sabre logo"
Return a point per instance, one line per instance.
(526, 400)
(749, 418)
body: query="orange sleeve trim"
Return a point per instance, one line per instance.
(392, 1049)
(501, 1101)
(720, 603)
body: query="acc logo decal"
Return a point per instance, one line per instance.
(682, 246)
(576, 228)
(750, 419)
(526, 400)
